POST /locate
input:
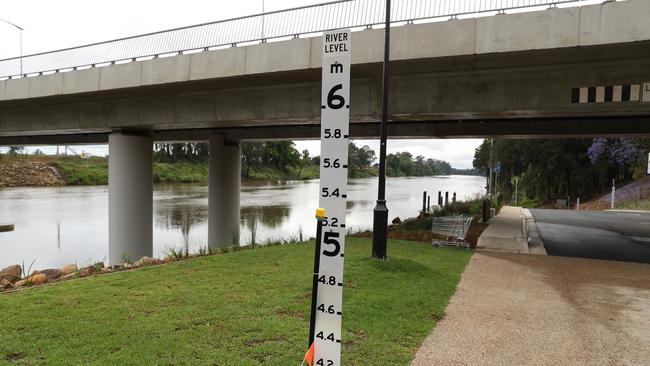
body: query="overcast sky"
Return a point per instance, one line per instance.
(51, 25)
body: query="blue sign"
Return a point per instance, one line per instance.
(497, 168)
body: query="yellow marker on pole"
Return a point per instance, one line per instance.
(320, 213)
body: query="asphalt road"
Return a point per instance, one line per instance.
(621, 236)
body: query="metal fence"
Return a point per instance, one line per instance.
(257, 28)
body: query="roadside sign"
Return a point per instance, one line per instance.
(648, 171)
(497, 168)
(335, 121)
(646, 92)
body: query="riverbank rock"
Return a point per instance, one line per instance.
(30, 174)
(51, 273)
(11, 273)
(68, 268)
(145, 261)
(87, 271)
(6, 285)
(38, 279)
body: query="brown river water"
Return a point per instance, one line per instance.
(56, 226)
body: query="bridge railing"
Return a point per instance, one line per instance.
(294, 22)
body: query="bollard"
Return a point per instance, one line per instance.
(446, 199)
(424, 202)
(428, 204)
(440, 198)
(578, 204)
(453, 199)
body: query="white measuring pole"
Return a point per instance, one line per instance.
(335, 122)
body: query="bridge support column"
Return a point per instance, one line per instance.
(130, 197)
(223, 193)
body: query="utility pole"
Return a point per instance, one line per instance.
(380, 219)
(516, 187)
(491, 166)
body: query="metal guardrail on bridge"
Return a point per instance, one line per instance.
(255, 28)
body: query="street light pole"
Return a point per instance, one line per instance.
(380, 219)
(21, 42)
(263, 19)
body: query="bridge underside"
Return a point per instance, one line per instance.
(517, 128)
(512, 95)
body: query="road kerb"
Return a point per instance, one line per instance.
(535, 244)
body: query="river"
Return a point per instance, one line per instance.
(56, 226)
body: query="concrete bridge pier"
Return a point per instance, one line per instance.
(130, 196)
(223, 192)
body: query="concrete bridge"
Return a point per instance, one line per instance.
(578, 71)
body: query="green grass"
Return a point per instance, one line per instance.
(242, 308)
(95, 171)
(181, 172)
(634, 205)
(529, 203)
(80, 172)
(263, 173)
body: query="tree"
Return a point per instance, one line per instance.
(15, 150)
(360, 159)
(552, 168)
(621, 154)
(276, 155)
(176, 152)
(304, 161)
(402, 164)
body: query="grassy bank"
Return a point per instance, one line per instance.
(634, 205)
(94, 171)
(241, 308)
(307, 172)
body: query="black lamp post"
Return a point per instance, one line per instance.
(20, 29)
(380, 220)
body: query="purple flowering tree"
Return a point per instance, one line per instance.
(621, 151)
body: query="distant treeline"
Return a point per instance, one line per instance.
(472, 171)
(403, 164)
(559, 168)
(283, 158)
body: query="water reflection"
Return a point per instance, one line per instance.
(270, 216)
(63, 225)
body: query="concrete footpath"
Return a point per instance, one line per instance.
(513, 309)
(512, 230)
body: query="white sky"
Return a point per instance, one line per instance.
(51, 25)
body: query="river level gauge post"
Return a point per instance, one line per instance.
(325, 333)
